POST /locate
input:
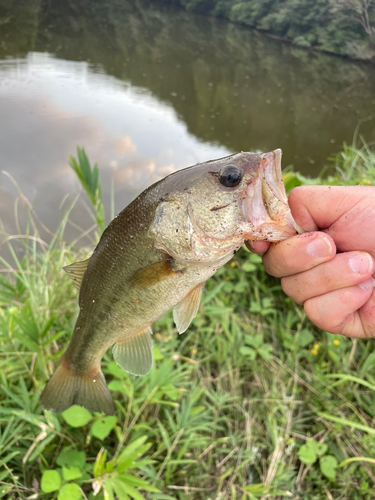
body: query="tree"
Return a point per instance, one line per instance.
(363, 11)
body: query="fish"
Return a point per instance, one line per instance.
(156, 255)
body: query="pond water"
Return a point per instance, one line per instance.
(147, 90)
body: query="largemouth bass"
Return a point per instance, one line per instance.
(156, 255)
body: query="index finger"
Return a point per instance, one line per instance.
(298, 253)
(344, 212)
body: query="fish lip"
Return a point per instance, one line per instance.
(265, 203)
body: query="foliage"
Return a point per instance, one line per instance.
(89, 179)
(251, 402)
(332, 26)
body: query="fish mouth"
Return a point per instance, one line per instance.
(265, 203)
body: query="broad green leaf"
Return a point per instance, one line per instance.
(304, 338)
(71, 458)
(51, 481)
(307, 454)
(71, 473)
(328, 465)
(249, 267)
(102, 427)
(265, 351)
(157, 354)
(256, 259)
(110, 466)
(320, 449)
(248, 351)
(118, 372)
(76, 416)
(254, 341)
(4, 489)
(291, 181)
(255, 307)
(70, 491)
(117, 385)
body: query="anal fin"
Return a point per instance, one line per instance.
(186, 310)
(134, 354)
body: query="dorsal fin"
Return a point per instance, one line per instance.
(77, 270)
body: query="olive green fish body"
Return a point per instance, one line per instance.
(156, 255)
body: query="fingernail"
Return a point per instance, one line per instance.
(367, 285)
(361, 263)
(319, 247)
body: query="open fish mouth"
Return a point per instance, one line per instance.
(265, 204)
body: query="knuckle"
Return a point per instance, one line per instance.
(349, 327)
(276, 260)
(286, 286)
(314, 311)
(271, 264)
(291, 287)
(297, 194)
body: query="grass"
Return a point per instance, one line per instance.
(251, 402)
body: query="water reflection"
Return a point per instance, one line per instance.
(147, 90)
(49, 106)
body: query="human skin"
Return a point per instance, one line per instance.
(329, 268)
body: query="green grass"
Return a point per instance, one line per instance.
(251, 402)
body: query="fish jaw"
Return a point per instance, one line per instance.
(264, 204)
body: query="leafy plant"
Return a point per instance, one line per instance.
(256, 346)
(310, 452)
(89, 179)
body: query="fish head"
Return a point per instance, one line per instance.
(223, 203)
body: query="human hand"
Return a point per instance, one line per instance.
(329, 272)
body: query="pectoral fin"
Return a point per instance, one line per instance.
(151, 275)
(76, 271)
(186, 310)
(134, 354)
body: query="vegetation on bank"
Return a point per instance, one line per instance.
(344, 27)
(251, 402)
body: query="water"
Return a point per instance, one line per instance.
(147, 90)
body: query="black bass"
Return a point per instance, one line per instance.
(156, 255)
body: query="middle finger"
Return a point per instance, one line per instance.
(344, 270)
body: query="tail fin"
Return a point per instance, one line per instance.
(67, 387)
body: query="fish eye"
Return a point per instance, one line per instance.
(230, 176)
